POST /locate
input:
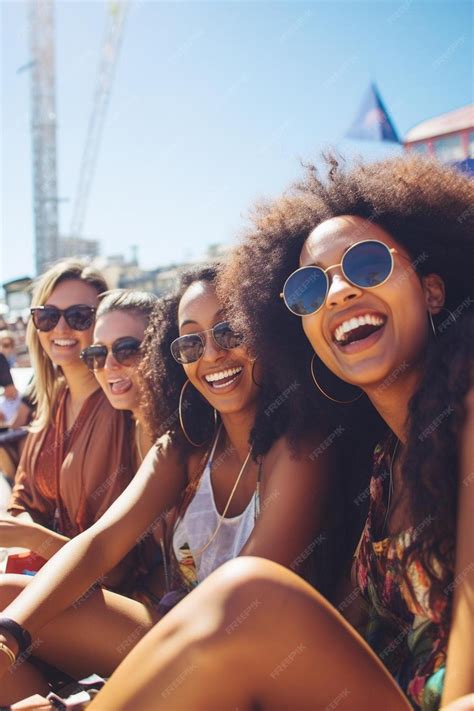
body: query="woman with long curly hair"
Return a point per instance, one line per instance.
(239, 486)
(375, 263)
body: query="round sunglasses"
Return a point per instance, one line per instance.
(366, 264)
(124, 350)
(79, 317)
(189, 348)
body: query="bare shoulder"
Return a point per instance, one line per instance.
(164, 455)
(311, 457)
(312, 452)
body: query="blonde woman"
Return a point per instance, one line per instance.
(77, 457)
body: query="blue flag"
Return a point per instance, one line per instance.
(373, 122)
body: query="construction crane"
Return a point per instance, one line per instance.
(107, 63)
(43, 131)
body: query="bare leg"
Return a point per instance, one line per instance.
(23, 681)
(93, 636)
(253, 635)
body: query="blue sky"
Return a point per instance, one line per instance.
(213, 106)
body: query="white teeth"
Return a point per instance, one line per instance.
(346, 326)
(64, 342)
(215, 377)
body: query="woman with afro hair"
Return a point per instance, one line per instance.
(372, 265)
(223, 476)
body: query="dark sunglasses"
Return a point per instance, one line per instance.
(366, 264)
(79, 317)
(124, 350)
(189, 348)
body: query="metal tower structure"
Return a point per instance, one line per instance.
(107, 64)
(43, 129)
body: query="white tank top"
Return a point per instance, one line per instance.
(201, 519)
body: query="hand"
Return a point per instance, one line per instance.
(17, 533)
(2, 417)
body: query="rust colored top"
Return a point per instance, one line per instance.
(67, 479)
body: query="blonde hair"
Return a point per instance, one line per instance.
(47, 377)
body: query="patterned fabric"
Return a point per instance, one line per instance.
(404, 626)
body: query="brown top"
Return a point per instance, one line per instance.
(67, 479)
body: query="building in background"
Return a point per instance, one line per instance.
(78, 247)
(448, 137)
(161, 280)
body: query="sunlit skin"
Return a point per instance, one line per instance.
(294, 492)
(335, 665)
(403, 302)
(199, 310)
(68, 293)
(108, 329)
(21, 530)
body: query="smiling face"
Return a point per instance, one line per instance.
(223, 377)
(363, 335)
(63, 344)
(119, 382)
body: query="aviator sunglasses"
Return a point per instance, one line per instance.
(366, 264)
(79, 317)
(189, 348)
(124, 350)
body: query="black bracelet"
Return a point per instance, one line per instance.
(22, 636)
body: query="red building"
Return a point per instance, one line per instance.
(449, 137)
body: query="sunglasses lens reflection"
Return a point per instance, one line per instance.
(46, 319)
(79, 318)
(368, 264)
(305, 290)
(126, 351)
(94, 357)
(225, 337)
(187, 349)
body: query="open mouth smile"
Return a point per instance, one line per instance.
(120, 386)
(64, 342)
(223, 378)
(358, 329)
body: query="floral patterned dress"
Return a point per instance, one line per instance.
(404, 629)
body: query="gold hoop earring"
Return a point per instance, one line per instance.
(329, 397)
(181, 419)
(448, 321)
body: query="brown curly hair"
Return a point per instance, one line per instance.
(163, 379)
(428, 209)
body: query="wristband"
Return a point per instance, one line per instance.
(22, 636)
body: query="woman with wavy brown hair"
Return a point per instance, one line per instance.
(373, 265)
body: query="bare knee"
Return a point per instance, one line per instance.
(246, 588)
(246, 579)
(10, 587)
